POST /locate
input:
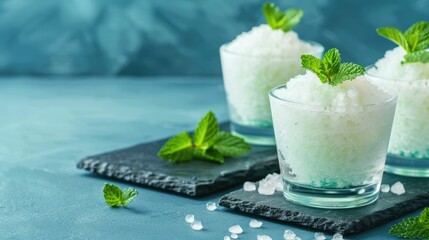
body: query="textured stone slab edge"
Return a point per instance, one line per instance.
(194, 188)
(325, 224)
(140, 177)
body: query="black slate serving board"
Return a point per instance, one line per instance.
(388, 207)
(139, 164)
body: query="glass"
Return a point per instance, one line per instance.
(248, 80)
(331, 157)
(408, 152)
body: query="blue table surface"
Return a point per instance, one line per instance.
(47, 125)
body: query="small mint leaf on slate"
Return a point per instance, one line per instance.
(178, 149)
(206, 132)
(229, 145)
(210, 155)
(181, 148)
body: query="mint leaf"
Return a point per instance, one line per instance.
(210, 154)
(115, 197)
(311, 63)
(331, 62)
(177, 149)
(415, 227)
(418, 36)
(421, 56)
(315, 65)
(410, 228)
(128, 195)
(394, 35)
(229, 145)
(277, 19)
(272, 14)
(112, 195)
(291, 18)
(424, 217)
(329, 69)
(414, 41)
(347, 71)
(209, 144)
(205, 134)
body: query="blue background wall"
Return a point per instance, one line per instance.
(160, 37)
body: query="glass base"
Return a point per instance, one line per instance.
(254, 135)
(331, 198)
(407, 166)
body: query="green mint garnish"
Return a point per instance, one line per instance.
(209, 144)
(115, 197)
(206, 132)
(277, 19)
(421, 56)
(178, 149)
(414, 41)
(329, 69)
(414, 227)
(229, 145)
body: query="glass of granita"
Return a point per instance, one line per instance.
(405, 70)
(255, 62)
(332, 129)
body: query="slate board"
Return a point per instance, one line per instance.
(388, 207)
(139, 164)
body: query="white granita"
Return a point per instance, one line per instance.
(390, 67)
(410, 133)
(332, 136)
(253, 64)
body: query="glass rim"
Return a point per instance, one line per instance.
(323, 108)
(224, 48)
(371, 75)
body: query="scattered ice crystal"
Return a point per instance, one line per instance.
(397, 188)
(255, 223)
(196, 225)
(236, 229)
(266, 187)
(319, 236)
(271, 183)
(234, 236)
(211, 206)
(385, 188)
(249, 186)
(189, 218)
(337, 236)
(263, 237)
(279, 185)
(226, 238)
(289, 235)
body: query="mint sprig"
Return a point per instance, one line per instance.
(329, 69)
(415, 41)
(209, 143)
(277, 19)
(115, 197)
(414, 227)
